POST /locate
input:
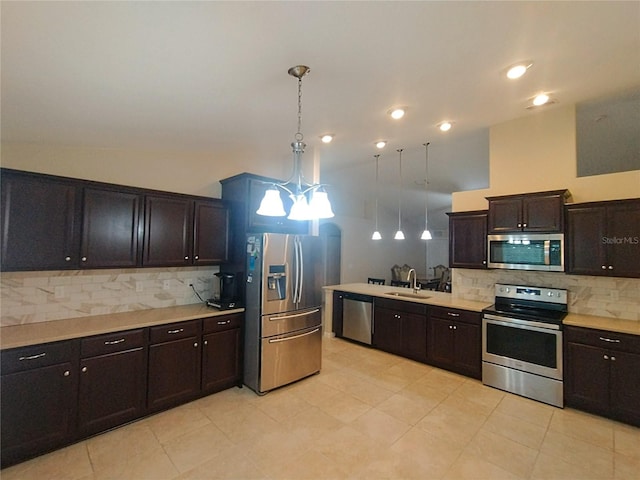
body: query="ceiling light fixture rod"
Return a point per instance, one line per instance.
(399, 234)
(376, 234)
(426, 235)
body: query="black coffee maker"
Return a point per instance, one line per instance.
(224, 292)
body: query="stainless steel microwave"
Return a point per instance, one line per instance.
(523, 251)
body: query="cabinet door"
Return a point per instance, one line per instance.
(221, 360)
(112, 390)
(337, 313)
(38, 410)
(586, 253)
(210, 233)
(468, 240)
(625, 386)
(40, 224)
(414, 336)
(586, 377)
(623, 240)
(505, 215)
(387, 330)
(174, 372)
(110, 229)
(468, 349)
(440, 340)
(167, 231)
(542, 213)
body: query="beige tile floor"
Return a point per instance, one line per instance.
(367, 415)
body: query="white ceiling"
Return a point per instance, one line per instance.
(212, 76)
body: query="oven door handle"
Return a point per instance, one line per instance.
(518, 323)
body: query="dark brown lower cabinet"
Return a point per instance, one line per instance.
(454, 340)
(602, 373)
(401, 328)
(174, 364)
(221, 360)
(39, 387)
(113, 380)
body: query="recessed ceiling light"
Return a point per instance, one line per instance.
(381, 143)
(327, 137)
(445, 126)
(540, 99)
(397, 113)
(518, 70)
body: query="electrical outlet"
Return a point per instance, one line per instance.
(166, 285)
(139, 287)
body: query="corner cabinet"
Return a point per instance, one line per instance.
(39, 387)
(602, 373)
(468, 239)
(454, 340)
(533, 212)
(603, 238)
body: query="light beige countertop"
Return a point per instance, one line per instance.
(603, 323)
(428, 297)
(43, 332)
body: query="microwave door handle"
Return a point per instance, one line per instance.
(547, 252)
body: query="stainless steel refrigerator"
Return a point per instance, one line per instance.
(283, 323)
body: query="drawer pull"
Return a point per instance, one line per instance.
(610, 340)
(114, 342)
(67, 373)
(224, 323)
(32, 357)
(177, 330)
(453, 314)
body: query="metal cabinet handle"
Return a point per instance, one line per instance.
(453, 314)
(84, 369)
(524, 225)
(610, 340)
(613, 359)
(186, 258)
(32, 357)
(224, 323)
(67, 259)
(173, 332)
(206, 342)
(114, 342)
(606, 357)
(196, 257)
(604, 267)
(84, 259)
(66, 373)
(195, 344)
(610, 267)
(455, 327)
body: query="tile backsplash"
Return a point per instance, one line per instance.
(31, 297)
(611, 297)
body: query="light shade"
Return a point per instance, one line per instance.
(426, 235)
(320, 206)
(300, 209)
(271, 204)
(376, 236)
(399, 235)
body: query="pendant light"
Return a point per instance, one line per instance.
(399, 235)
(297, 187)
(376, 234)
(426, 235)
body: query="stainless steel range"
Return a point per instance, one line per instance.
(522, 342)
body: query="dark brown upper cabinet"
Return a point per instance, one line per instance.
(55, 223)
(532, 212)
(603, 238)
(40, 223)
(468, 239)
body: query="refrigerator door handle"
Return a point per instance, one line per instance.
(286, 339)
(301, 281)
(284, 317)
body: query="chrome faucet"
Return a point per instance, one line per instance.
(414, 285)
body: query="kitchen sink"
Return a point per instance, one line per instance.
(408, 295)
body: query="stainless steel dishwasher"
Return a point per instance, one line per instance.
(357, 315)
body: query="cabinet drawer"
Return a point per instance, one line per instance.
(111, 342)
(455, 314)
(174, 331)
(222, 322)
(401, 306)
(35, 356)
(603, 339)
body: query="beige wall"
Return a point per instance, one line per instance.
(537, 153)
